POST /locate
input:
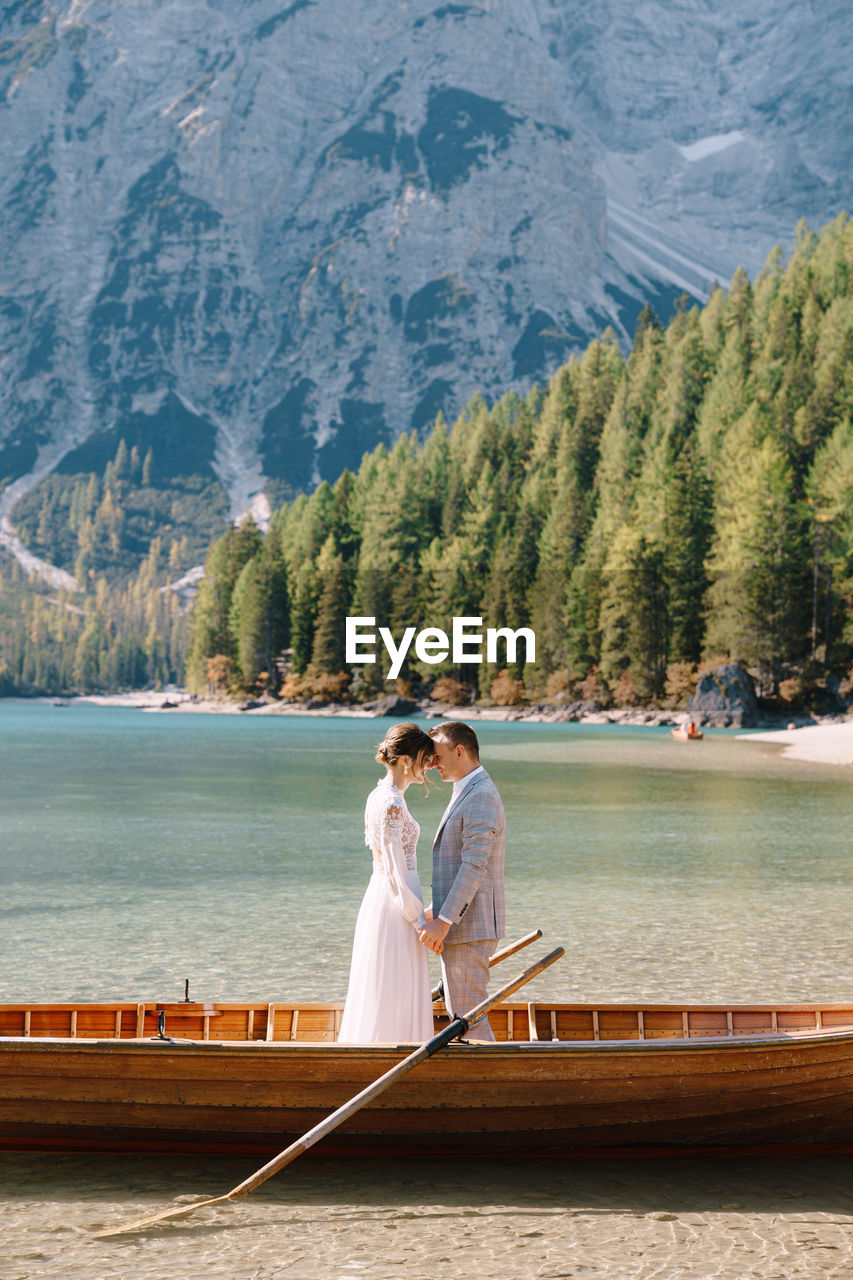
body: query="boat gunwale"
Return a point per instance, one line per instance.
(663, 1044)
(615, 1006)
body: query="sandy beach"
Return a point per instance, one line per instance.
(682, 1219)
(820, 744)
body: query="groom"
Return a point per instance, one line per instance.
(467, 913)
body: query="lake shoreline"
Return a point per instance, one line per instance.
(180, 700)
(817, 739)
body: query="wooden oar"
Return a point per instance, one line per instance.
(504, 954)
(456, 1028)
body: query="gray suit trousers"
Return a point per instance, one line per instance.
(465, 969)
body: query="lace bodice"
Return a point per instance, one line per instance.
(391, 833)
(387, 820)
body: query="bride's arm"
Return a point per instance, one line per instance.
(411, 907)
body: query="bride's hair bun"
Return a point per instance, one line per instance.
(405, 739)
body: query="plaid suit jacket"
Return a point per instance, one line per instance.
(468, 856)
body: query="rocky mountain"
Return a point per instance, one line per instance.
(253, 239)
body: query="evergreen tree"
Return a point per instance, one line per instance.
(757, 609)
(329, 649)
(504, 602)
(259, 612)
(86, 673)
(830, 503)
(687, 539)
(212, 632)
(633, 617)
(304, 593)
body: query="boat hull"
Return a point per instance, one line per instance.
(525, 1099)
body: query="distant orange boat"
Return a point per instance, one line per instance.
(687, 732)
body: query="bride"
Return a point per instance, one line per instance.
(389, 988)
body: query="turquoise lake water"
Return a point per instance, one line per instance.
(137, 850)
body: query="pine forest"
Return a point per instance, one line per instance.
(642, 514)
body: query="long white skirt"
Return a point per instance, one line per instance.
(389, 987)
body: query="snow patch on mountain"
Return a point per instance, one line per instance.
(712, 145)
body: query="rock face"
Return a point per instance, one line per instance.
(390, 706)
(258, 238)
(725, 696)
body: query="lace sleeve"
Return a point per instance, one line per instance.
(393, 856)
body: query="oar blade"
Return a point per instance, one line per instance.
(178, 1211)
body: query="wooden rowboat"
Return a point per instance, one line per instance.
(561, 1079)
(687, 733)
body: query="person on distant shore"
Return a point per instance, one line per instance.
(389, 996)
(466, 917)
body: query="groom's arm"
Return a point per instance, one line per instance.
(481, 819)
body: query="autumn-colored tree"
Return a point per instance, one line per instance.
(219, 670)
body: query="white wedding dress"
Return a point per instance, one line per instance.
(389, 997)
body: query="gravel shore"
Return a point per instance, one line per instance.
(827, 742)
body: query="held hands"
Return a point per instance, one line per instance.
(433, 933)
